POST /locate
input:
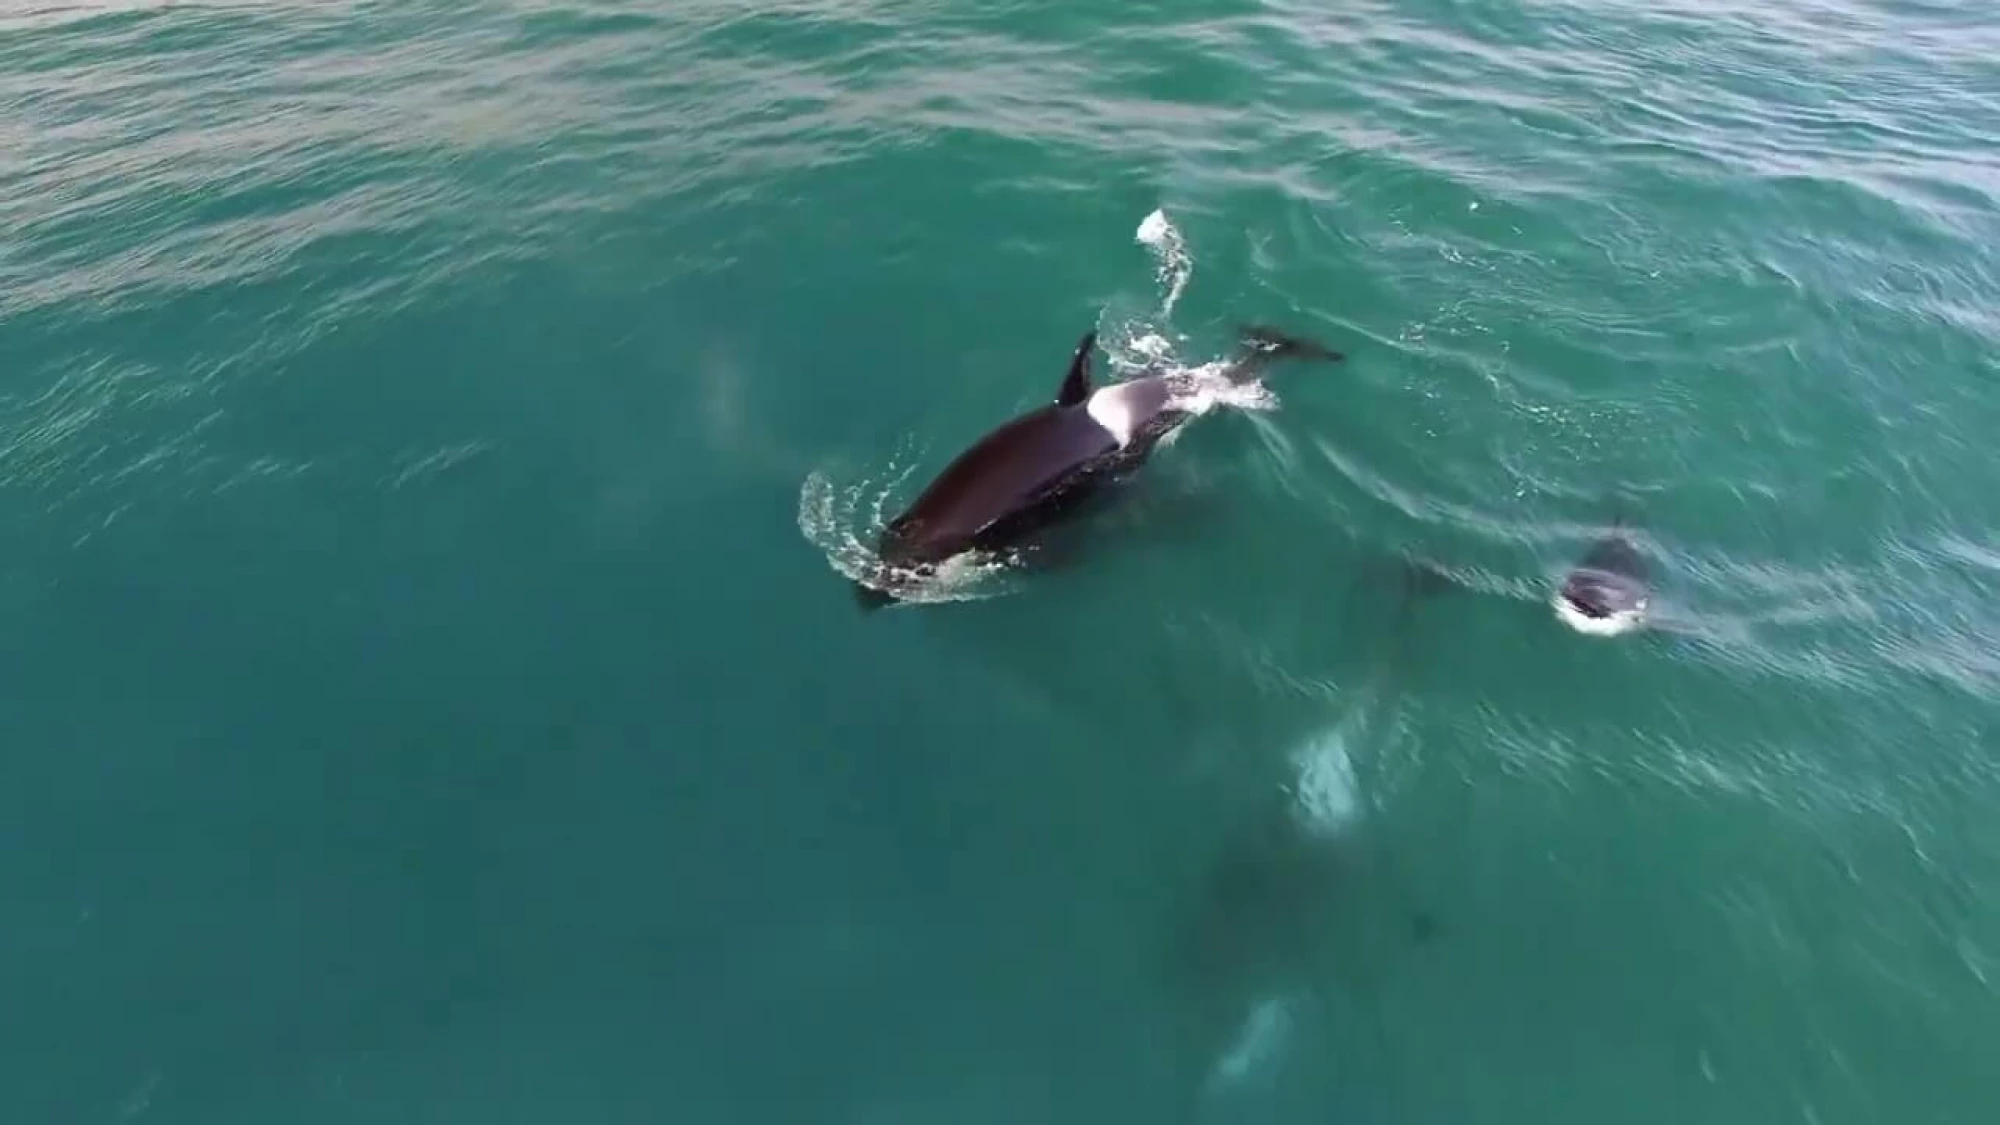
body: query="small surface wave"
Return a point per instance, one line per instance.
(332, 333)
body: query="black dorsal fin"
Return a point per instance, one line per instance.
(1076, 384)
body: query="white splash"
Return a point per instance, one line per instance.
(1152, 345)
(1328, 793)
(1263, 1035)
(1198, 390)
(844, 521)
(1613, 625)
(1173, 266)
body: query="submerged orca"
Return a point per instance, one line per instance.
(1040, 467)
(1609, 590)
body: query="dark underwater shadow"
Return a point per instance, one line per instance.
(1256, 905)
(1267, 963)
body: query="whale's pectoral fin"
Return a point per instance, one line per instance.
(1263, 346)
(1277, 344)
(1076, 383)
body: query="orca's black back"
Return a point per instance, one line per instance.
(1615, 554)
(1000, 481)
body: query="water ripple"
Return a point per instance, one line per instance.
(1736, 267)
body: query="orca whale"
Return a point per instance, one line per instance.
(1609, 590)
(1043, 467)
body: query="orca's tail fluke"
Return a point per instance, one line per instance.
(1265, 345)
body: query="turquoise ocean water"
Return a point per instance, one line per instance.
(433, 437)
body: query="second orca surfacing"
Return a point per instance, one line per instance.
(1608, 592)
(1039, 468)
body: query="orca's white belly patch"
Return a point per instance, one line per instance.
(1614, 624)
